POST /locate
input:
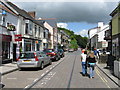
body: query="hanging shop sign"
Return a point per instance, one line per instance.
(104, 44)
(11, 27)
(4, 12)
(18, 37)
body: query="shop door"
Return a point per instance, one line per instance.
(14, 52)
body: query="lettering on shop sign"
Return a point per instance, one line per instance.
(18, 37)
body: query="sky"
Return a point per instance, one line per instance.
(75, 15)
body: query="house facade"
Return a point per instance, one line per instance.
(115, 25)
(29, 34)
(8, 25)
(96, 36)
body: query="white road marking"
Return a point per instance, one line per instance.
(51, 68)
(11, 78)
(46, 71)
(46, 78)
(43, 74)
(42, 83)
(27, 86)
(35, 80)
(30, 78)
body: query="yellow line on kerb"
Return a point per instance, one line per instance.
(102, 78)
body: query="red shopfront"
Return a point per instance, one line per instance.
(6, 39)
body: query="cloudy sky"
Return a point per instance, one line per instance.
(77, 16)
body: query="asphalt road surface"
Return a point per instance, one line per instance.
(65, 73)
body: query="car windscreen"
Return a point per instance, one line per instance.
(27, 55)
(60, 50)
(49, 51)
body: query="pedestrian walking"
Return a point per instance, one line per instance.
(91, 62)
(83, 62)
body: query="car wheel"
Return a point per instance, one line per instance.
(50, 62)
(42, 66)
(57, 58)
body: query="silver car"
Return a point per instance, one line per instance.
(33, 59)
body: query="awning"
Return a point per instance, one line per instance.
(6, 38)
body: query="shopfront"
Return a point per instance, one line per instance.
(6, 39)
(32, 45)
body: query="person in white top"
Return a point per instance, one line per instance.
(83, 61)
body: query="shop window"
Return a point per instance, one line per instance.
(44, 35)
(37, 47)
(27, 45)
(26, 28)
(35, 29)
(39, 31)
(33, 45)
(5, 50)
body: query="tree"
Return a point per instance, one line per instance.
(76, 40)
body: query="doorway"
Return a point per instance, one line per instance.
(14, 52)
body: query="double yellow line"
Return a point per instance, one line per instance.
(102, 78)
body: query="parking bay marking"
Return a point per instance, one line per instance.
(11, 78)
(44, 75)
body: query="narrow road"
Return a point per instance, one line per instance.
(64, 73)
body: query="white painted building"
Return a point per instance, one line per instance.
(96, 36)
(29, 32)
(8, 25)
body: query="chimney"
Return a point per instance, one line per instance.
(32, 14)
(100, 24)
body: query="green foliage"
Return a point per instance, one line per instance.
(76, 40)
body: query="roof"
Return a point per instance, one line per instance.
(6, 9)
(116, 10)
(23, 13)
(51, 21)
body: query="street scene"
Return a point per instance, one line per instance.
(59, 45)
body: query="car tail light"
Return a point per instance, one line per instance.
(18, 58)
(36, 58)
(53, 53)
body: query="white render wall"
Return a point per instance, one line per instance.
(12, 19)
(50, 28)
(101, 34)
(92, 32)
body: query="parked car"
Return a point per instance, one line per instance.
(33, 59)
(55, 55)
(71, 50)
(61, 52)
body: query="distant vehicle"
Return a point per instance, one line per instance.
(33, 60)
(71, 50)
(61, 52)
(55, 55)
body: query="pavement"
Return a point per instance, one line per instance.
(108, 73)
(10, 67)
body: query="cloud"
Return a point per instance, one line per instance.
(90, 12)
(83, 33)
(65, 0)
(62, 25)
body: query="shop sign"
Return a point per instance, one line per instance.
(11, 27)
(104, 44)
(27, 21)
(36, 42)
(18, 37)
(6, 38)
(4, 12)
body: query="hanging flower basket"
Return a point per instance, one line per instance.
(11, 27)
